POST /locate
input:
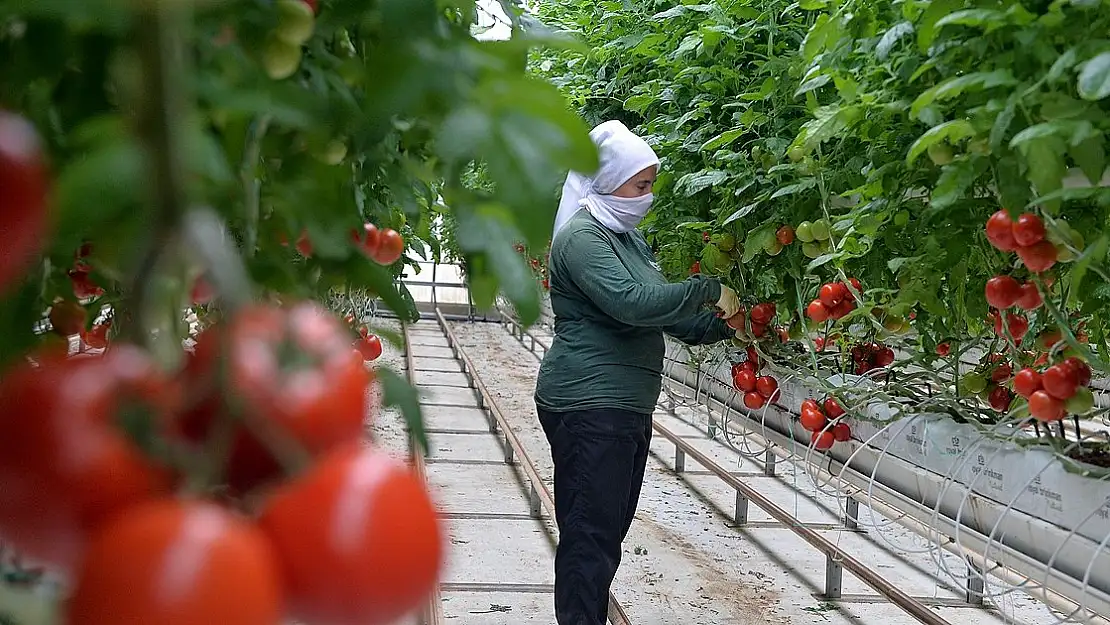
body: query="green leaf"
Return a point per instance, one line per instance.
(953, 184)
(1096, 252)
(891, 37)
(1090, 155)
(692, 183)
(956, 86)
(927, 26)
(742, 212)
(951, 132)
(803, 185)
(1094, 78)
(824, 34)
(821, 260)
(399, 393)
(1044, 157)
(1071, 131)
(722, 139)
(989, 19)
(484, 229)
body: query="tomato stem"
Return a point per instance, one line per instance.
(252, 185)
(158, 123)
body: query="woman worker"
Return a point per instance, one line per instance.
(600, 381)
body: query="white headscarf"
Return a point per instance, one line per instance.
(621, 155)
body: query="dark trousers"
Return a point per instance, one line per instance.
(599, 458)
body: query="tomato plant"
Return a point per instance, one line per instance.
(999, 235)
(190, 191)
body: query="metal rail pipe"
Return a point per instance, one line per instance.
(432, 612)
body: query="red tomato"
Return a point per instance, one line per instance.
(763, 313)
(391, 248)
(856, 284)
(766, 386)
(750, 366)
(842, 309)
(758, 329)
(944, 349)
(737, 321)
(817, 311)
(65, 466)
(833, 409)
(202, 292)
(97, 337)
(841, 432)
(1001, 373)
(83, 286)
(811, 419)
(696, 267)
(822, 441)
(1017, 324)
(1060, 381)
(1030, 298)
(831, 294)
(1000, 398)
(311, 4)
(67, 318)
(358, 539)
(292, 369)
(1082, 370)
(819, 344)
(1049, 338)
(754, 400)
(885, 357)
(811, 404)
(304, 244)
(1000, 231)
(1028, 230)
(1026, 382)
(753, 354)
(745, 381)
(737, 368)
(178, 563)
(370, 347)
(785, 235)
(369, 240)
(1038, 257)
(1045, 407)
(1002, 292)
(24, 214)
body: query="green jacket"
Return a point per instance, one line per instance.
(612, 306)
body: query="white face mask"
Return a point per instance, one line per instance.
(619, 214)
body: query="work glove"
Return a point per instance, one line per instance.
(728, 303)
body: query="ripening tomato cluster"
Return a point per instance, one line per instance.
(1059, 390)
(1004, 292)
(757, 389)
(989, 381)
(816, 417)
(1026, 235)
(539, 268)
(756, 322)
(368, 345)
(834, 301)
(235, 490)
(869, 356)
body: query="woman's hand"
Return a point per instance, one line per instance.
(728, 303)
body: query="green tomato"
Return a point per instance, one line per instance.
(902, 218)
(1082, 402)
(796, 154)
(726, 242)
(940, 153)
(811, 250)
(804, 232)
(280, 59)
(820, 229)
(333, 153)
(1065, 255)
(773, 247)
(825, 246)
(979, 146)
(973, 383)
(296, 22)
(713, 260)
